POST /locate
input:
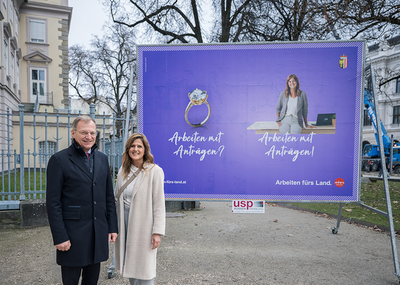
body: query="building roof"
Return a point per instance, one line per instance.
(391, 42)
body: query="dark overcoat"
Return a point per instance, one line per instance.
(80, 205)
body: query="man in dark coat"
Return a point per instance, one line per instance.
(80, 205)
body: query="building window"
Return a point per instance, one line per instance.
(37, 31)
(12, 60)
(38, 81)
(396, 115)
(17, 74)
(11, 12)
(367, 119)
(46, 151)
(369, 84)
(398, 85)
(16, 30)
(5, 53)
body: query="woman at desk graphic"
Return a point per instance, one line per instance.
(292, 108)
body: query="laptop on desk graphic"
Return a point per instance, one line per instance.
(324, 120)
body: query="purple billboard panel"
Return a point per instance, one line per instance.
(278, 122)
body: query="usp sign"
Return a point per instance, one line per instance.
(248, 206)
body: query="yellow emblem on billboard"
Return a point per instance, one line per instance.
(343, 62)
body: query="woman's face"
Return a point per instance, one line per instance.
(136, 151)
(292, 83)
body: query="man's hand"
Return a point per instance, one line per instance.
(65, 246)
(112, 237)
(155, 241)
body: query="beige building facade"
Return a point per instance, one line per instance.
(44, 32)
(34, 73)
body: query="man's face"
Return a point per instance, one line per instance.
(85, 134)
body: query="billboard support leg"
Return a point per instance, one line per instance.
(339, 217)
(392, 233)
(379, 126)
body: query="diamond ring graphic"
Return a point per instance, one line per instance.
(197, 97)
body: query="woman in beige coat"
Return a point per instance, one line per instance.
(141, 212)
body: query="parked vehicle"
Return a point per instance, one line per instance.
(395, 167)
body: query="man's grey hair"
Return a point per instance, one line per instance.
(84, 118)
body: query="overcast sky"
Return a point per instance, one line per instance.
(88, 18)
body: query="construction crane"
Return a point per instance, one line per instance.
(331, 25)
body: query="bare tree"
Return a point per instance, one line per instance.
(284, 20)
(192, 21)
(387, 73)
(167, 18)
(235, 19)
(101, 73)
(371, 19)
(171, 21)
(186, 21)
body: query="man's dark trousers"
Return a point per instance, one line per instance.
(71, 274)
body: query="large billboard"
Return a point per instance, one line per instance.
(277, 122)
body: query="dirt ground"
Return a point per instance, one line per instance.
(214, 246)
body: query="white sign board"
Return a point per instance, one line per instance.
(248, 207)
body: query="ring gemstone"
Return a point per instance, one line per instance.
(198, 96)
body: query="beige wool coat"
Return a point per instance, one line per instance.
(146, 217)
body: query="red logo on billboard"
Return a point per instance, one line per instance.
(339, 182)
(343, 62)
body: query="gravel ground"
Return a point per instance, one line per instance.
(214, 246)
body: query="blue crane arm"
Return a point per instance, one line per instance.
(369, 104)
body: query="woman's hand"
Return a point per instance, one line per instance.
(279, 122)
(307, 125)
(112, 237)
(155, 241)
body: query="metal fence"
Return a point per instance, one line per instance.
(28, 140)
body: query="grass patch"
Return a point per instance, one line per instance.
(372, 194)
(12, 182)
